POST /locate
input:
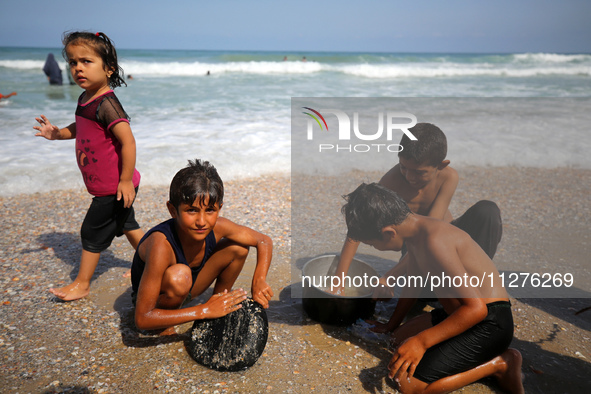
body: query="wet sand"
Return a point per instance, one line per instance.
(91, 345)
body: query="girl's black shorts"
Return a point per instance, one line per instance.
(106, 219)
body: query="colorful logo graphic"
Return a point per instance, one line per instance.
(315, 118)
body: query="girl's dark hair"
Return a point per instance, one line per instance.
(104, 48)
(370, 208)
(197, 181)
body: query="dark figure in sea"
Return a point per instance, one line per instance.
(52, 70)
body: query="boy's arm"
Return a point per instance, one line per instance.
(125, 188)
(440, 207)
(472, 308)
(51, 132)
(261, 291)
(348, 251)
(406, 301)
(158, 255)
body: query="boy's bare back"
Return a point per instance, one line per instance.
(442, 249)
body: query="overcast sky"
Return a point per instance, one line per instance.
(561, 26)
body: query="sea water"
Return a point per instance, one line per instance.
(233, 108)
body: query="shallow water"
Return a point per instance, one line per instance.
(239, 116)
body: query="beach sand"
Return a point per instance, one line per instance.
(91, 345)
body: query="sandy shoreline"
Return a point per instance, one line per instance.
(91, 345)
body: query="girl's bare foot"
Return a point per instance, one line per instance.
(71, 292)
(510, 377)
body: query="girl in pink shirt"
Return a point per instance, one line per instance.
(105, 152)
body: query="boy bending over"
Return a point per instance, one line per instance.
(425, 180)
(465, 340)
(180, 258)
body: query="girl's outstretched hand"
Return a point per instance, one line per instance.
(46, 129)
(223, 303)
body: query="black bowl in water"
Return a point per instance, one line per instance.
(331, 309)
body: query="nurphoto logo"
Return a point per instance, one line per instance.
(393, 121)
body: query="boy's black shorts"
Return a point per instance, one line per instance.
(474, 347)
(106, 219)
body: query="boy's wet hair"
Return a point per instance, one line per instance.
(430, 148)
(198, 181)
(370, 208)
(103, 46)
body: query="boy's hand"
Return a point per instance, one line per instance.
(406, 358)
(126, 191)
(46, 129)
(378, 327)
(221, 304)
(340, 291)
(261, 292)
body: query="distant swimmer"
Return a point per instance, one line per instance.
(208, 73)
(5, 96)
(304, 59)
(52, 70)
(284, 58)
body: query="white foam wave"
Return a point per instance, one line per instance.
(551, 57)
(28, 64)
(200, 68)
(527, 65)
(430, 70)
(433, 71)
(22, 64)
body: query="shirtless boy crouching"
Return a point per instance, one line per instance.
(466, 340)
(180, 258)
(425, 180)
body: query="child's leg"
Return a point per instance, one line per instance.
(506, 368)
(81, 285)
(134, 237)
(223, 267)
(483, 223)
(174, 289)
(176, 285)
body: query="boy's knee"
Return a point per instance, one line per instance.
(238, 252)
(177, 280)
(487, 210)
(487, 206)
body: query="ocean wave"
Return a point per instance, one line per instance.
(431, 70)
(201, 68)
(524, 65)
(26, 64)
(393, 71)
(551, 58)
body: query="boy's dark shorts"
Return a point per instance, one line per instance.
(472, 348)
(106, 219)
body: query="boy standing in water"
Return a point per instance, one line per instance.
(424, 179)
(469, 337)
(180, 258)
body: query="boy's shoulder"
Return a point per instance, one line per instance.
(160, 235)
(449, 174)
